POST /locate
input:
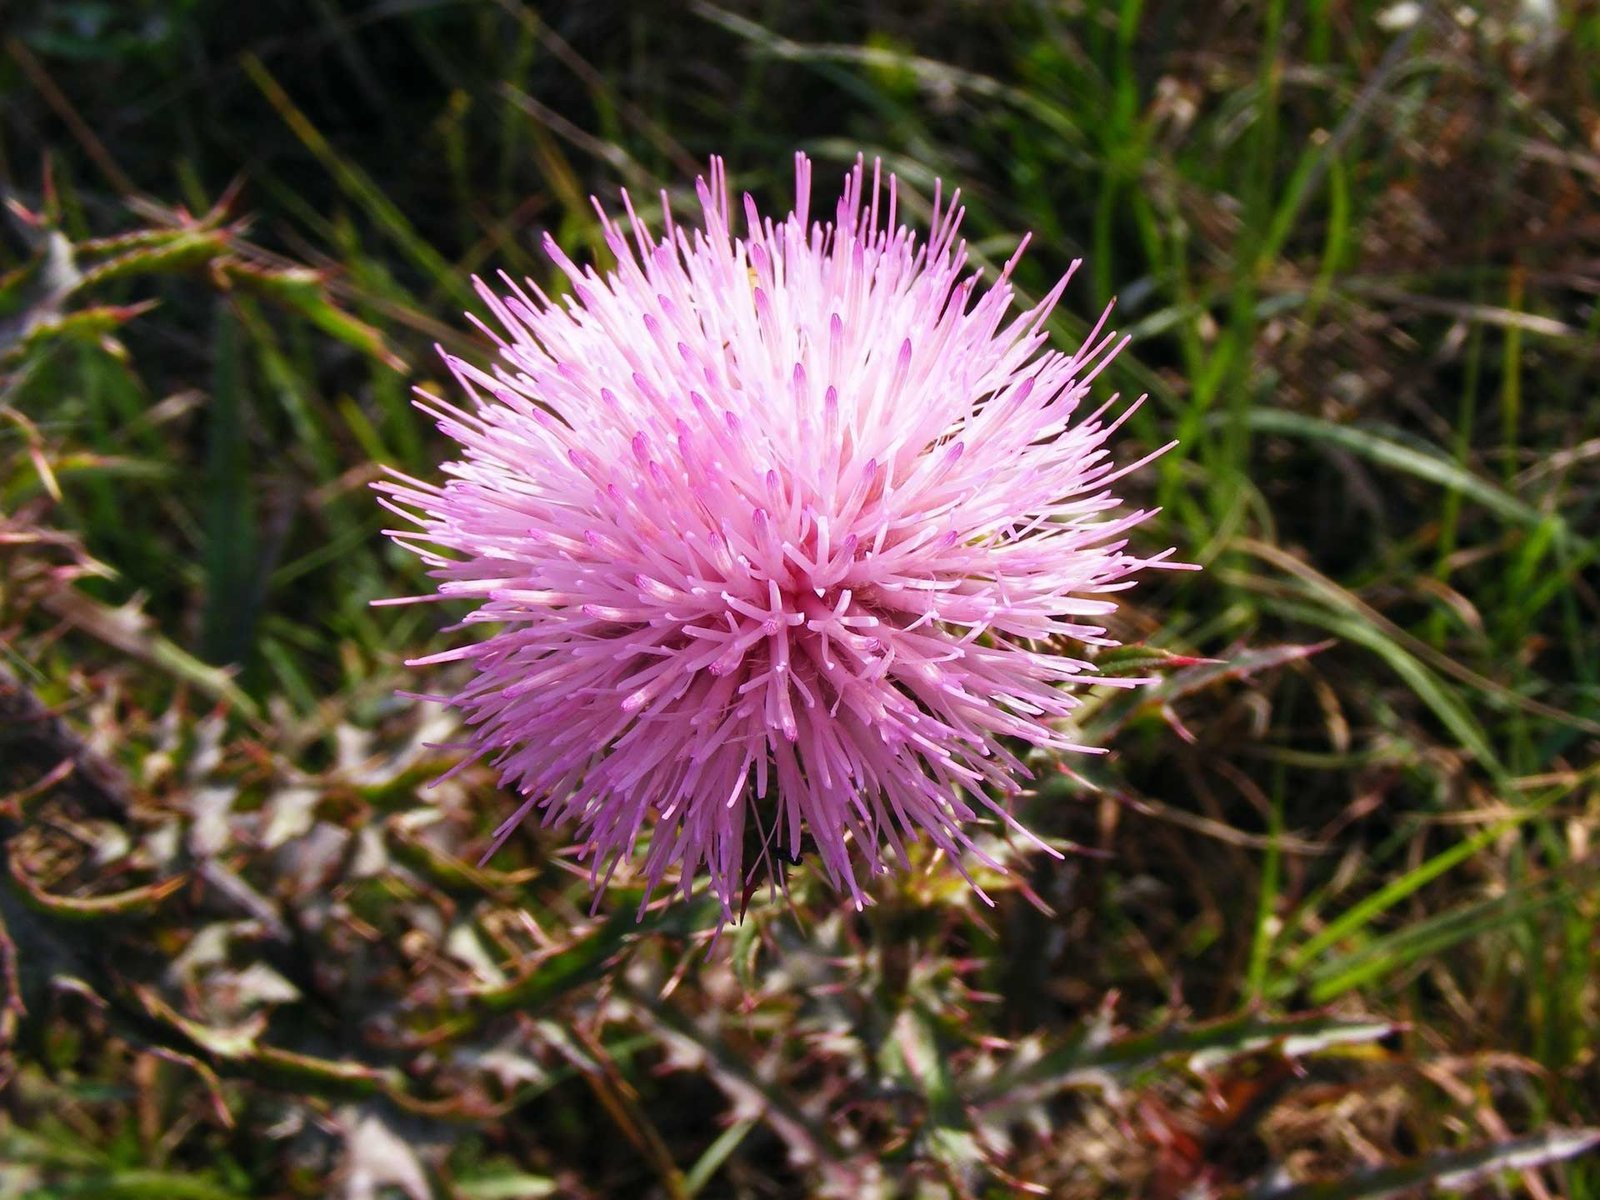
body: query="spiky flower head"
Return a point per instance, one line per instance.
(779, 537)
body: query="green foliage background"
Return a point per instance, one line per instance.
(1328, 926)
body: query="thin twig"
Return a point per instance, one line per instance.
(57, 100)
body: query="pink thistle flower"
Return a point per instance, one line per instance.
(784, 528)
